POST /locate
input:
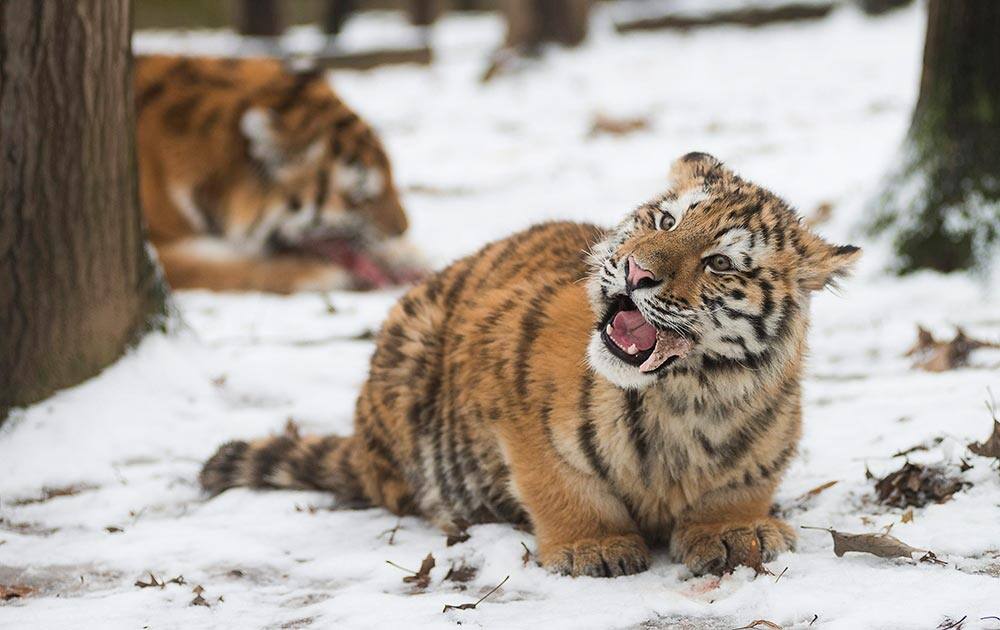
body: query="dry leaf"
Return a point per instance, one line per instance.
(420, 579)
(939, 356)
(917, 485)
(604, 124)
(760, 623)
(991, 447)
(496, 588)
(392, 531)
(14, 591)
(526, 557)
(112, 529)
(457, 533)
(907, 516)
(949, 624)
(152, 582)
(931, 558)
(881, 545)
(198, 599)
(454, 539)
(924, 446)
(817, 490)
(462, 573)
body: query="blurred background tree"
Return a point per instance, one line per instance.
(941, 206)
(77, 283)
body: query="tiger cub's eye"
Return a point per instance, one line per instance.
(665, 221)
(719, 263)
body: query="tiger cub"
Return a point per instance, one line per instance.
(646, 392)
(254, 177)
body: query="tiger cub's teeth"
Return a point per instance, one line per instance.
(632, 349)
(609, 330)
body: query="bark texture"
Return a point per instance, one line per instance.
(942, 204)
(531, 23)
(77, 283)
(260, 18)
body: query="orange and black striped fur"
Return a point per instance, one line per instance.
(500, 389)
(242, 160)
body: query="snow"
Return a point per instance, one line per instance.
(816, 111)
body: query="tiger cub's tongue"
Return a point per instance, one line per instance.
(668, 345)
(630, 328)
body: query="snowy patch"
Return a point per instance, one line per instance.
(813, 111)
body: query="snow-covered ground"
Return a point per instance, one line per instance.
(813, 110)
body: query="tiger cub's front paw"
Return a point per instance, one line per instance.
(598, 557)
(720, 547)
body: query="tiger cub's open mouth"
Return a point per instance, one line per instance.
(631, 338)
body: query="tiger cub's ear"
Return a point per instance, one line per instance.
(692, 166)
(822, 264)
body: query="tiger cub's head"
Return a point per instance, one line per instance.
(713, 274)
(328, 180)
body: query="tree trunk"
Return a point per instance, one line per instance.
(260, 18)
(77, 283)
(942, 205)
(531, 23)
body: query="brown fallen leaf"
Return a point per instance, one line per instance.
(924, 446)
(950, 624)
(53, 493)
(113, 529)
(457, 533)
(420, 579)
(907, 516)
(817, 490)
(461, 574)
(760, 623)
(991, 447)
(392, 531)
(151, 583)
(496, 588)
(199, 600)
(881, 545)
(931, 558)
(616, 126)
(526, 556)
(14, 591)
(917, 485)
(933, 355)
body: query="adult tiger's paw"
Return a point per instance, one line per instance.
(720, 547)
(598, 557)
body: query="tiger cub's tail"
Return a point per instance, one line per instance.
(287, 461)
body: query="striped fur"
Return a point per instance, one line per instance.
(240, 160)
(486, 401)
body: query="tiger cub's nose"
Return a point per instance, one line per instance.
(638, 277)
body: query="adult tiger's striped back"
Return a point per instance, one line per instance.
(253, 176)
(613, 387)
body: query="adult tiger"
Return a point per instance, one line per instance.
(255, 177)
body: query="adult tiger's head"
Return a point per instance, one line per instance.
(715, 273)
(327, 166)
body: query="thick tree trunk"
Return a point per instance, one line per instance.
(260, 18)
(531, 23)
(77, 283)
(942, 205)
